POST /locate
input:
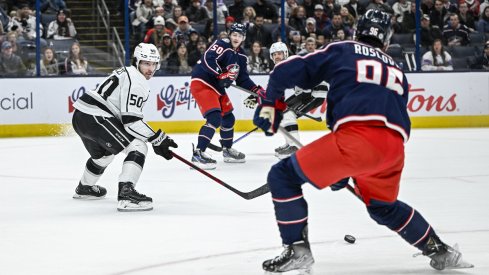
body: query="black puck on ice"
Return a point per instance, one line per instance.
(349, 239)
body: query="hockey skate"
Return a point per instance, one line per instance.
(130, 200)
(203, 160)
(232, 155)
(296, 256)
(443, 256)
(89, 192)
(285, 151)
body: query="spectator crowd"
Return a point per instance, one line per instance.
(453, 32)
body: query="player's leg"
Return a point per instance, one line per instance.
(92, 136)
(291, 213)
(289, 123)
(210, 107)
(128, 198)
(229, 154)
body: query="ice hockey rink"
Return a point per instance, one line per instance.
(199, 227)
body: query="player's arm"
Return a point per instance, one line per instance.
(132, 104)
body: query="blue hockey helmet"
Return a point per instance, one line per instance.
(239, 28)
(375, 24)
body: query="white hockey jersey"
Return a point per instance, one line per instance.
(121, 95)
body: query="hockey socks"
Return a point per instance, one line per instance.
(227, 130)
(290, 206)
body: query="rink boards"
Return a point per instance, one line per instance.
(43, 106)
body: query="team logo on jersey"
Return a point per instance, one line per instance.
(233, 70)
(171, 97)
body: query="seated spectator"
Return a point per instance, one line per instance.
(400, 7)
(481, 62)
(437, 59)
(428, 33)
(257, 62)
(195, 56)
(297, 20)
(355, 8)
(159, 11)
(473, 6)
(466, 18)
(61, 28)
(182, 33)
(409, 19)
(336, 24)
(144, 13)
(348, 19)
(483, 23)
(331, 8)
(49, 64)
(295, 43)
(439, 15)
(75, 63)
(196, 13)
(172, 20)
(267, 10)
(12, 37)
(258, 33)
(309, 47)
(193, 41)
(454, 33)
(167, 48)
(236, 9)
(249, 15)
(178, 61)
(155, 35)
(277, 31)
(26, 23)
(221, 11)
(10, 63)
(322, 20)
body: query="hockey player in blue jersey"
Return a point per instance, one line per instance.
(369, 121)
(222, 63)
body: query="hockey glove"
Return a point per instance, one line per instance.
(226, 79)
(162, 143)
(268, 117)
(340, 184)
(250, 102)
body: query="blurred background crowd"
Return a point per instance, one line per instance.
(80, 37)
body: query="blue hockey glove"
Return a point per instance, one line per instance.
(268, 117)
(340, 184)
(161, 144)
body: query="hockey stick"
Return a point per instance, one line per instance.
(299, 144)
(318, 119)
(245, 195)
(219, 148)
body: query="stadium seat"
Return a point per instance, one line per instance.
(462, 51)
(460, 63)
(394, 51)
(61, 47)
(402, 39)
(199, 28)
(476, 38)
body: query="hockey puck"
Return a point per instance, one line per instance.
(349, 239)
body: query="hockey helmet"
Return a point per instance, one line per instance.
(239, 28)
(147, 52)
(159, 21)
(279, 47)
(375, 24)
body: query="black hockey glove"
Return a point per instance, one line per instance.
(340, 184)
(162, 143)
(250, 102)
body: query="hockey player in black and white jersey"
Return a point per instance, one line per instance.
(109, 120)
(302, 101)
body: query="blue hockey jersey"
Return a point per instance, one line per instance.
(365, 84)
(217, 59)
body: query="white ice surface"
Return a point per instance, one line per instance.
(199, 227)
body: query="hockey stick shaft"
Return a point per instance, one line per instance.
(219, 148)
(318, 119)
(299, 144)
(245, 195)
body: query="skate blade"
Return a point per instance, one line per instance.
(204, 166)
(461, 265)
(305, 271)
(231, 160)
(87, 197)
(128, 206)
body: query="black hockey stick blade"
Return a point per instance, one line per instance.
(214, 147)
(262, 190)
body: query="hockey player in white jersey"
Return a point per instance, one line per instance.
(301, 101)
(109, 120)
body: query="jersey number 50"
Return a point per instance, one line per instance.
(370, 71)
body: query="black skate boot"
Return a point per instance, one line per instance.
(89, 192)
(130, 200)
(232, 155)
(286, 151)
(296, 256)
(203, 160)
(443, 256)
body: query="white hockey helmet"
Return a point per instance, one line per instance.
(147, 52)
(159, 21)
(279, 47)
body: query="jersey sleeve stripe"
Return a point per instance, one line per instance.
(128, 90)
